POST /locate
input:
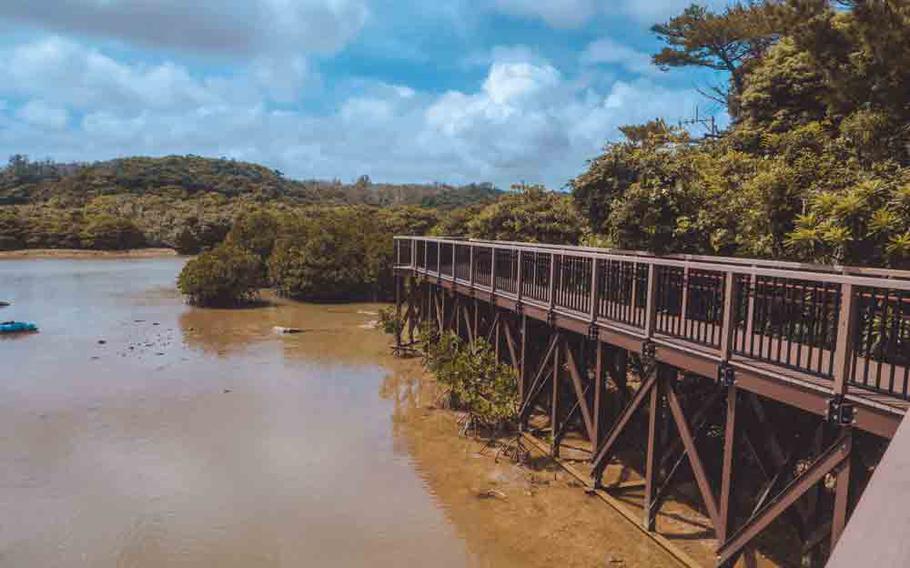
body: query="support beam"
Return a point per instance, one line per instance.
(827, 461)
(579, 390)
(510, 344)
(698, 468)
(539, 379)
(603, 454)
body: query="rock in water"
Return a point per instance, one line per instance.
(3, 304)
(287, 330)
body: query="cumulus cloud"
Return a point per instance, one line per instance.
(216, 26)
(40, 114)
(575, 13)
(69, 74)
(557, 13)
(609, 51)
(525, 121)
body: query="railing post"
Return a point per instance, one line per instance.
(594, 282)
(492, 270)
(471, 269)
(729, 322)
(454, 269)
(684, 301)
(651, 305)
(438, 259)
(552, 293)
(843, 350)
(397, 252)
(518, 278)
(426, 256)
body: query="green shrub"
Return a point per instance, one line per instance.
(321, 259)
(224, 276)
(107, 232)
(474, 380)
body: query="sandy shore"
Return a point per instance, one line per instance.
(80, 253)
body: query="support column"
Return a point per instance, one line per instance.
(399, 325)
(598, 395)
(726, 487)
(652, 461)
(841, 495)
(554, 399)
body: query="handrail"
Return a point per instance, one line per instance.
(859, 276)
(850, 326)
(742, 261)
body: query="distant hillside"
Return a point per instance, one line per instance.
(23, 181)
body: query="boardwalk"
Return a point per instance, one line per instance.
(826, 348)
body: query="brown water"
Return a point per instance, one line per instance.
(138, 431)
(197, 437)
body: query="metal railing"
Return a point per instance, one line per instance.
(851, 326)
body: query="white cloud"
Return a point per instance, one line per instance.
(557, 13)
(655, 11)
(575, 13)
(525, 121)
(215, 26)
(66, 73)
(609, 51)
(39, 113)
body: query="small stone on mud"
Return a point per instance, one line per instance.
(225, 391)
(491, 494)
(614, 560)
(159, 353)
(101, 342)
(155, 323)
(95, 357)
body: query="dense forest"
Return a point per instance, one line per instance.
(814, 166)
(185, 202)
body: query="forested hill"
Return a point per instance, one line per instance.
(23, 181)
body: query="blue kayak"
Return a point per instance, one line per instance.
(17, 327)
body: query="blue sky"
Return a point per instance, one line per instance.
(456, 91)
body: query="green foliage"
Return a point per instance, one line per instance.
(322, 259)
(728, 41)
(255, 231)
(529, 214)
(474, 380)
(814, 165)
(224, 276)
(389, 321)
(106, 232)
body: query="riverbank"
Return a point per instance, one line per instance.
(528, 515)
(84, 253)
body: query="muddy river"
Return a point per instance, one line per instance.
(138, 431)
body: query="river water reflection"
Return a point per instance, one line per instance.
(137, 431)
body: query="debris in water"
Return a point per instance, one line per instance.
(367, 313)
(3, 304)
(102, 342)
(225, 391)
(286, 330)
